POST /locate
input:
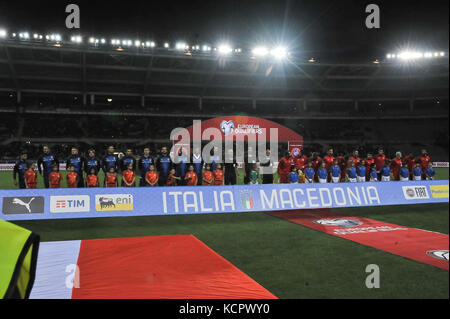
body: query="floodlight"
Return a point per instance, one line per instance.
(224, 49)
(3, 33)
(260, 51)
(279, 52)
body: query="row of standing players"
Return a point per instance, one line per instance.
(154, 171)
(160, 171)
(378, 167)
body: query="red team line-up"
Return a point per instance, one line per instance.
(161, 172)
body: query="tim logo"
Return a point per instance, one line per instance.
(247, 199)
(341, 222)
(415, 192)
(114, 202)
(70, 204)
(227, 127)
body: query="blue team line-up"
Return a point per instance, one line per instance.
(31, 204)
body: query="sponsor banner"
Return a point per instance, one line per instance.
(440, 164)
(113, 202)
(70, 204)
(10, 166)
(420, 245)
(23, 205)
(142, 201)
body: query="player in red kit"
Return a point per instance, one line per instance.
(284, 168)
(369, 161)
(129, 176)
(72, 177)
(300, 162)
(410, 161)
(92, 178)
(328, 160)
(424, 159)
(218, 175)
(342, 162)
(191, 177)
(207, 176)
(55, 177)
(355, 158)
(111, 179)
(380, 160)
(30, 176)
(396, 165)
(152, 177)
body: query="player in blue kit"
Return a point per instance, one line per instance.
(373, 175)
(309, 173)
(385, 172)
(110, 160)
(77, 161)
(197, 161)
(335, 172)
(144, 165)
(322, 173)
(361, 171)
(351, 172)
(404, 172)
(430, 172)
(45, 163)
(293, 176)
(19, 170)
(164, 165)
(127, 160)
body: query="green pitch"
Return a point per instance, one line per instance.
(289, 260)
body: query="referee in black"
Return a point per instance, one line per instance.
(231, 172)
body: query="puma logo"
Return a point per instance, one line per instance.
(18, 201)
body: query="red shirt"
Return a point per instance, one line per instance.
(31, 178)
(300, 163)
(396, 164)
(191, 178)
(111, 180)
(55, 179)
(424, 160)
(284, 166)
(208, 176)
(128, 176)
(72, 180)
(153, 176)
(410, 161)
(218, 177)
(92, 180)
(355, 160)
(368, 163)
(328, 161)
(316, 163)
(379, 160)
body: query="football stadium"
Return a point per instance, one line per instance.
(135, 166)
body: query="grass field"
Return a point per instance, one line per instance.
(289, 260)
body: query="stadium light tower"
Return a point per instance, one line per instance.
(224, 49)
(260, 51)
(279, 53)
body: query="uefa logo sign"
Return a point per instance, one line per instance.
(227, 127)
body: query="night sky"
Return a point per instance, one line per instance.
(332, 30)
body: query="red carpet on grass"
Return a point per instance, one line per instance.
(416, 244)
(164, 267)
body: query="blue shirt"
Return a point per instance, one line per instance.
(322, 172)
(385, 171)
(181, 167)
(215, 159)
(404, 172)
(293, 177)
(165, 165)
(20, 169)
(335, 171)
(430, 171)
(374, 174)
(351, 172)
(309, 172)
(361, 171)
(75, 161)
(110, 161)
(144, 164)
(197, 161)
(417, 171)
